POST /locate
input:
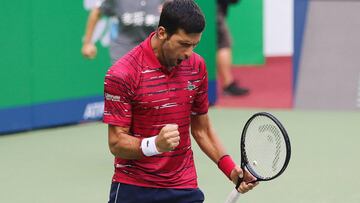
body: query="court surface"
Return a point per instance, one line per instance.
(72, 164)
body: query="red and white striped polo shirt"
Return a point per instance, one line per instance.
(141, 94)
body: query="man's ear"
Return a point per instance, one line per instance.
(161, 33)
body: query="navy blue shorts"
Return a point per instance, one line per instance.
(124, 193)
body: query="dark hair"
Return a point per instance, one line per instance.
(182, 14)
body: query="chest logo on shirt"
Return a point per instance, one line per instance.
(190, 86)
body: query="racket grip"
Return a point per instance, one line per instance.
(233, 196)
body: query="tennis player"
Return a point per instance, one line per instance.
(153, 95)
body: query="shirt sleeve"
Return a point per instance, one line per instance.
(107, 7)
(201, 101)
(118, 93)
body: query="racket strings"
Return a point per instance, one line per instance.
(265, 147)
(277, 136)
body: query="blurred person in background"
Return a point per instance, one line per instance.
(224, 52)
(136, 19)
(154, 95)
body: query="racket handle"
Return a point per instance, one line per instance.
(233, 196)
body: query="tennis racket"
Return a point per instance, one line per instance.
(265, 150)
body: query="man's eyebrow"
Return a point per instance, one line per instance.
(189, 42)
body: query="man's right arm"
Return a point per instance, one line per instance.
(122, 144)
(126, 146)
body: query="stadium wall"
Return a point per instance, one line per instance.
(328, 62)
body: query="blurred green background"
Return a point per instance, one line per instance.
(41, 41)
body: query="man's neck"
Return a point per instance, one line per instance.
(156, 47)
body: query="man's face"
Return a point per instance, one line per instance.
(179, 47)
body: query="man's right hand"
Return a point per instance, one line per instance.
(89, 50)
(168, 138)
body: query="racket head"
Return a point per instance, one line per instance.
(265, 147)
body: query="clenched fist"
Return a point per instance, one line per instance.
(168, 138)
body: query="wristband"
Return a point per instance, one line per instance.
(226, 165)
(148, 146)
